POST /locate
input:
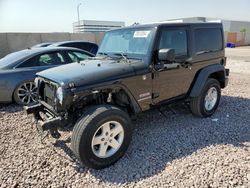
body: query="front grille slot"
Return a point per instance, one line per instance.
(41, 87)
(47, 92)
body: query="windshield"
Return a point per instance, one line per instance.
(135, 41)
(13, 57)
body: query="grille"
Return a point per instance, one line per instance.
(47, 92)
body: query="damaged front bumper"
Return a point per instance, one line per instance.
(45, 120)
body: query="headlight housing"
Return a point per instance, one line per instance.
(59, 94)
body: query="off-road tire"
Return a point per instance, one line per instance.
(197, 104)
(84, 130)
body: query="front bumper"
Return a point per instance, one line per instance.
(50, 124)
(33, 109)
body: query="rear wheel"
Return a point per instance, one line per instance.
(207, 102)
(26, 93)
(102, 136)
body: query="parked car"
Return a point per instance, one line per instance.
(18, 69)
(137, 69)
(83, 45)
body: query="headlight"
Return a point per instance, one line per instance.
(59, 95)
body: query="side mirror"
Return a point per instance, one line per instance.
(166, 55)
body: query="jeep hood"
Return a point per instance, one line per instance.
(89, 72)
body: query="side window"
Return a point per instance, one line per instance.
(175, 39)
(93, 49)
(47, 59)
(208, 39)
(44, 60)
(67, 45)
(77, 56)
(86, 46)
(32, 62)
(77, 45)
(73, 45)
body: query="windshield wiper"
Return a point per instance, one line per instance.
(103, 53)
(124, 56)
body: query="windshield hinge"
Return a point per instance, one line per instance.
(155, 75)
(152, 75)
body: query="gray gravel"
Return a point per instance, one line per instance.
(169, 149)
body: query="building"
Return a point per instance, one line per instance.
(237, 32)
(96, 26)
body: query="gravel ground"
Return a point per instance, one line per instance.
(169, 149)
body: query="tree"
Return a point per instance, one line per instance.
(243, 31)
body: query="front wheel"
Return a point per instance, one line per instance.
(102, 136)
(207, 102)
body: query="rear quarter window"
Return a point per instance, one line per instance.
(68, 45)
(208, 40)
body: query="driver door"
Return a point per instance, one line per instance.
(172, 82)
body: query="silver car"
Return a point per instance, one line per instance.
(18, 70)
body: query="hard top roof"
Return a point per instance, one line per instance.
(172, 24)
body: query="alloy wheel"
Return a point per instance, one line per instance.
(27, 93)
(107, 139)
(211, 98)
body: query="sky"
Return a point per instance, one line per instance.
(58, 15)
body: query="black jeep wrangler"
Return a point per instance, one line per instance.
(136, 69)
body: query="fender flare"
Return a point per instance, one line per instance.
(202, 77)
